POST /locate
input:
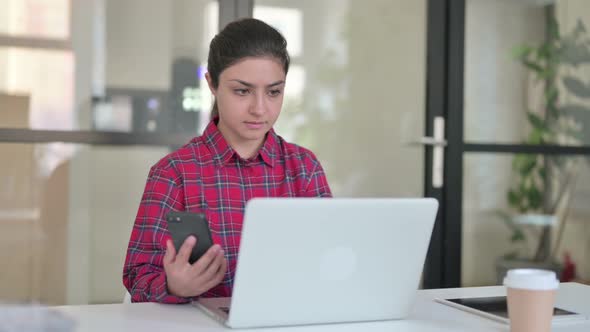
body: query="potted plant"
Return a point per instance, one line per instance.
(539, 197)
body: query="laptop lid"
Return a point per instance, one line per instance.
(318, 260)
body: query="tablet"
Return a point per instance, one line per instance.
(496, 308)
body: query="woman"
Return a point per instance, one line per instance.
(238, 157)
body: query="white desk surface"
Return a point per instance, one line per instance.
(427, 316)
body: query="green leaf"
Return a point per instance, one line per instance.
(536, 120)
(522, 202)
(580, 28)
(528, 165)
(524, 163)
(548, 73)
(577, 87)
(518, 159)
(521, 52)
(542, 172)
(517, 236)
(575, 55)
(534, 67)
(553, 110)
(536, 136)
(551, 95)
(553, 29)
(534, 197)
(513, 199)
(544, 51)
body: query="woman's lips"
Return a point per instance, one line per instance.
(254, 124)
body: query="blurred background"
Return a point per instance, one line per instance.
(94, 92)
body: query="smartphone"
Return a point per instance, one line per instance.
(183, 224)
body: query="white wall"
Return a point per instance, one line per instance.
(139, 43)
(144, 37)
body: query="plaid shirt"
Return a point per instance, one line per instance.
(208, 176)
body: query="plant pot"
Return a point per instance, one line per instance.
(535, 219)
(505, 264)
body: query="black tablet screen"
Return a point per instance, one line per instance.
(497, 306)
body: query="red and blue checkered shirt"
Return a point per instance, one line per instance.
(208, 176)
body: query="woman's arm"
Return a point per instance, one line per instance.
(143, 272)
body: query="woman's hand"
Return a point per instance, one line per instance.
(186, 280)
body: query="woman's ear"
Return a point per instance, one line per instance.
(210, 84)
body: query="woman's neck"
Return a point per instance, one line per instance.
(244, 148)
(247, 149)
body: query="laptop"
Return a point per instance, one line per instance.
(316, 260)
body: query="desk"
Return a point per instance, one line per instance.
(428, 316)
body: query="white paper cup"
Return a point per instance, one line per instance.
(531, 297)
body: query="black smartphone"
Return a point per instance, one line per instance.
(183, 224)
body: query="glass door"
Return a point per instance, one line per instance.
(92, 93)
(525, 139)
(358, 96)
(355, 90)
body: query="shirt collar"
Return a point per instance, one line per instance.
(268, 151)
(223, 152)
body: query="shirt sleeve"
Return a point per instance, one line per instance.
(143, 272)
(318, 184)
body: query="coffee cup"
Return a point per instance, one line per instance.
(531, 299)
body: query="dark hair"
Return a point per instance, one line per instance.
(243, 38)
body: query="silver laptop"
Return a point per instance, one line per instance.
(312, 260)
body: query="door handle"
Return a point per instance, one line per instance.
(430, 141)
(438, 143)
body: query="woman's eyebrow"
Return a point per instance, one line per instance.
(276, 83)
(250, 85)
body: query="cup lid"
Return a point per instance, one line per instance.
(533, 279)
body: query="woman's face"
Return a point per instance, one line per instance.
(249, 98)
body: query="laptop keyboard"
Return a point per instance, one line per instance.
(224, 309)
